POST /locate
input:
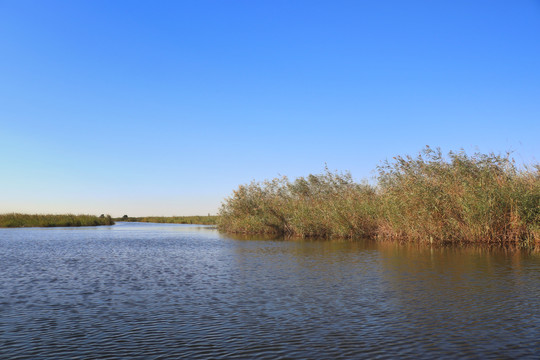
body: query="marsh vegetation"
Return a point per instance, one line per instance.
(14, 220)
(200, 220)
(435, 198)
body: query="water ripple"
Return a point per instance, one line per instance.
(147, 291)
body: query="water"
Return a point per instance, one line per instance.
(154, 291)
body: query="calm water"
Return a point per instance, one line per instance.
(177, 291)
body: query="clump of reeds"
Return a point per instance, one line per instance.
(37, 220)
(459, 198)
(428, 198)
(329, 204)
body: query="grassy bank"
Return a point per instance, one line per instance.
(200, 220)
(457, 198)
(35, 220)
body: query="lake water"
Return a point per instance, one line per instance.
(156, 291)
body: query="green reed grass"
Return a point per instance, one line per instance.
(199, 220)
(459, 198)
(481, 198)
(329, 204)
(14, 220)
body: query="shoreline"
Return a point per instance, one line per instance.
(18, 220)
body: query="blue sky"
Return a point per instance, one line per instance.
(165, 107)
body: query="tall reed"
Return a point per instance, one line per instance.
(429, 198)
(329, 204)
(458, 198)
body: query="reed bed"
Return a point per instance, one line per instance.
(199, 220)
(15, 220)
(433, 198)
(329, 204)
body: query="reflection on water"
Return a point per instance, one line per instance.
(151, 290)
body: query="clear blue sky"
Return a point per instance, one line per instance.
(165, 107)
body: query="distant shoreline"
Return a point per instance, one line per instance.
(17, 220)
(196, 220)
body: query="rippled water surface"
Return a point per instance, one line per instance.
(179, 291)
